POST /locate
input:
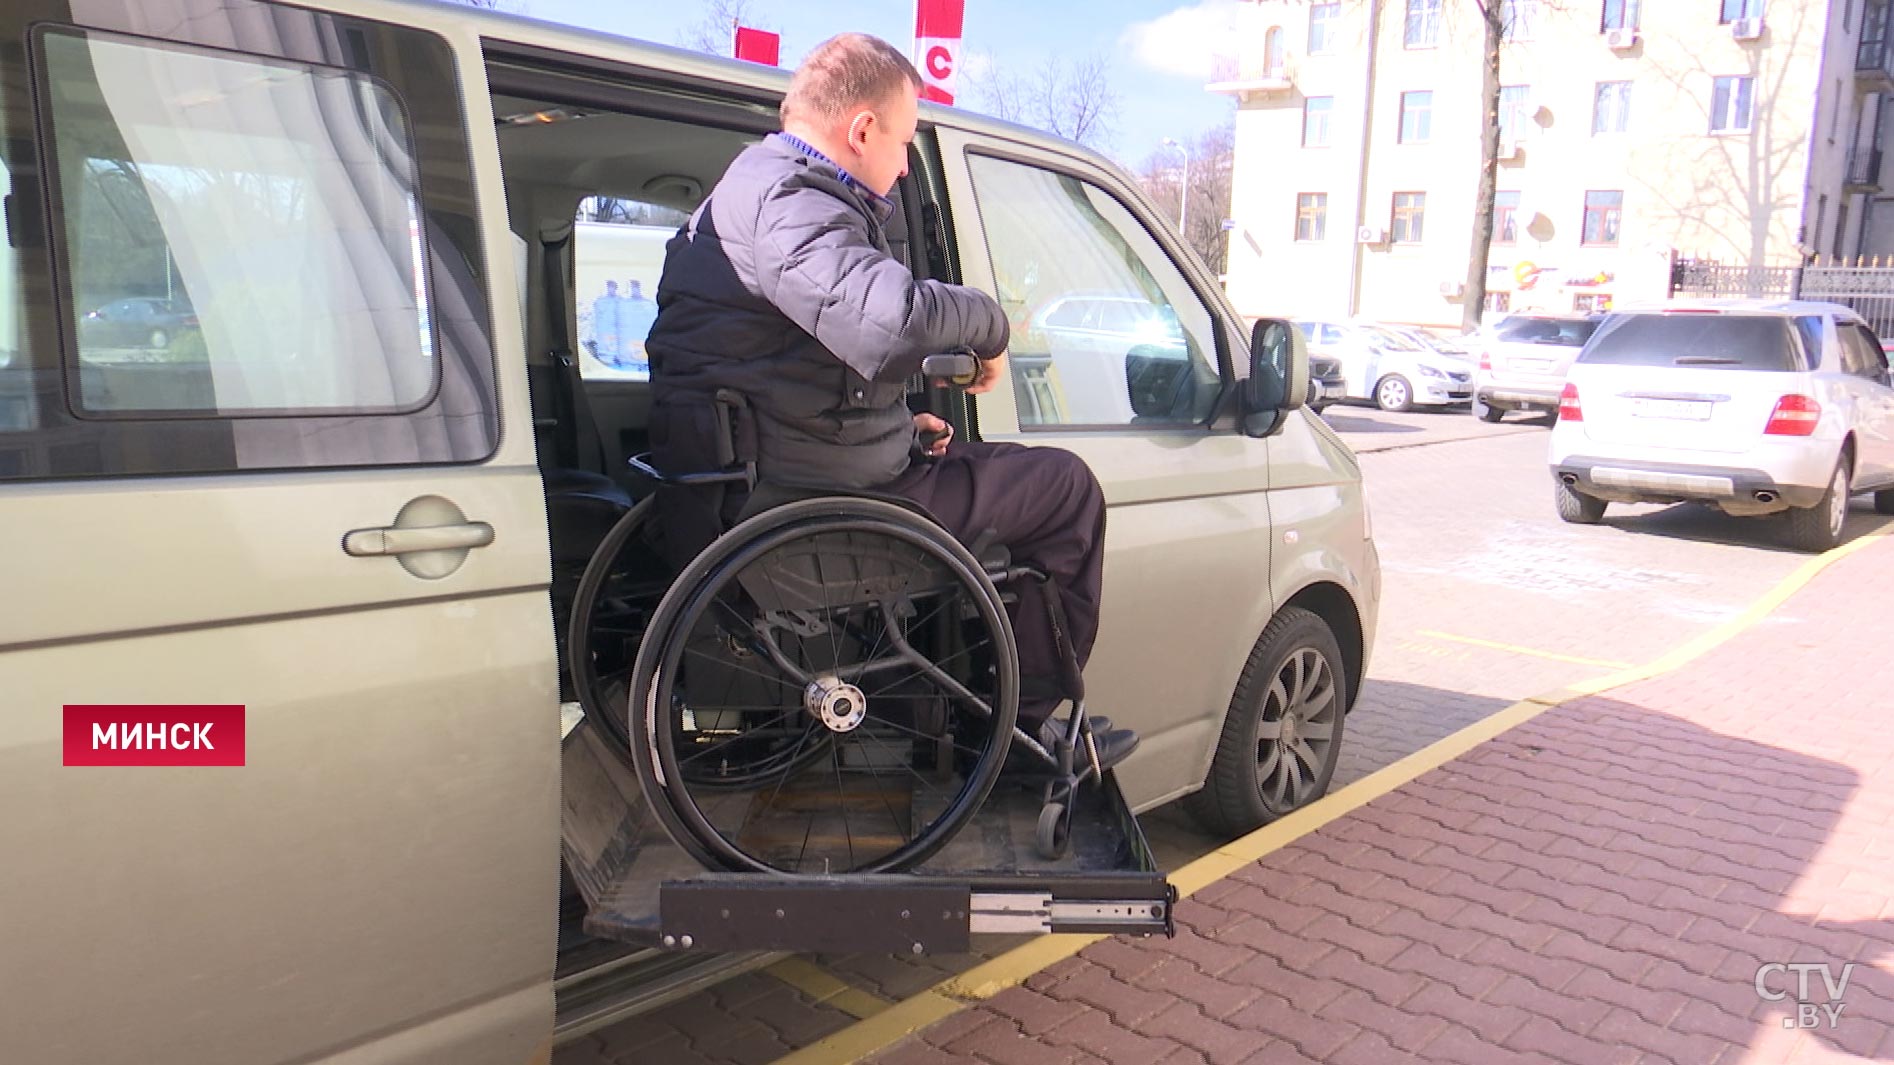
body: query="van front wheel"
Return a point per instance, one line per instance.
(1283, 735)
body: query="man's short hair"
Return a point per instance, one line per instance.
(846, 71)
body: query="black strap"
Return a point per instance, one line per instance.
(583, 447)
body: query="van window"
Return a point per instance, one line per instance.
(618, 256)
(1710, 341)
(1145, 350)
(251, 223)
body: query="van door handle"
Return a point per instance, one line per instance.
(394, 540)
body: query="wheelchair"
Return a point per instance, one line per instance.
(831, 686)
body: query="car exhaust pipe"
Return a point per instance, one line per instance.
(1569, 480)
(1765, 497)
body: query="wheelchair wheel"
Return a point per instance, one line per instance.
(830, 687)
(611, 609)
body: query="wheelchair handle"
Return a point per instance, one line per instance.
(958, 367)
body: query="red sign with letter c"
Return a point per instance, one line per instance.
(940, 63)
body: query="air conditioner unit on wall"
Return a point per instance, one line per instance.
(1620, 39)
(1508, 150)
(1746, 29)
(1371, 235)
(1453, 290)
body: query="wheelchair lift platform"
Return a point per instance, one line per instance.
(641, 888)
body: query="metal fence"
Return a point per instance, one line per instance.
(1866, 285)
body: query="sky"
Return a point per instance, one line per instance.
(1159, 52)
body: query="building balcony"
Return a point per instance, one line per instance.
(1248, 79)
(1864, 170)
(1874, 59)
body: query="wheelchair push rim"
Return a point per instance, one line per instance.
(849, 734)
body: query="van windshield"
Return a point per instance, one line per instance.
(1711, 341)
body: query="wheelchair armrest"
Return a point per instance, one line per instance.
(744, 474)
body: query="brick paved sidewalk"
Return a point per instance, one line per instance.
(1599, 885)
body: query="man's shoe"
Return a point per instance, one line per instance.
(1114, 745)
(1052, 729)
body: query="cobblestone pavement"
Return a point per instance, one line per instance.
(1625, 878)
(1488, 599)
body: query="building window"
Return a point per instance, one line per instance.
(1520, 18)
(1611, 107)
(1602, 210)
(1409, 210)
(1735, 9)
(1514, 111)
(1315, 111)
(1311, 216)
(1619, 15)
(1505, 222)
(1841, 228)
(1272, 52)
(1499, 301)
(1322, 20)
(1729, 104)
(1417, 117)
(1591, 303)
(1423, 23)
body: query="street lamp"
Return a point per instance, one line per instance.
(1183, 197)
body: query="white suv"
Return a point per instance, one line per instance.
(1755, 407)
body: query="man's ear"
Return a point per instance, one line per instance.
(858, 128)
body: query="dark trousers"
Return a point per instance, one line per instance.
(1046, 507)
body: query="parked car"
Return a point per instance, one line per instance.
(1385, 365)
(1523, 359)
(1751, 406)
(1330, 386)
(139, 321)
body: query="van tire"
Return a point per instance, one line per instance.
(1816, 529)
(1884, 501)
(1232, 800)
(1486, 412)
(1577, 507)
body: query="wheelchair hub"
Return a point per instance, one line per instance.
(836, 703)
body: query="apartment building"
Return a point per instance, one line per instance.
(1747, 132)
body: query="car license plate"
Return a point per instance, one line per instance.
(1682, 409)
(1532, 365)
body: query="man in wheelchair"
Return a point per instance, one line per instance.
(782, 290)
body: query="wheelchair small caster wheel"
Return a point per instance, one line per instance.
(1054, 835)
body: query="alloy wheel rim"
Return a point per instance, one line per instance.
(1296, 729)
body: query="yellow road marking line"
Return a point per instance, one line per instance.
(825, 987)
(1012, 968)
(1512, 648)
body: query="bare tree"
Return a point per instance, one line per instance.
(1211, 159)
(1073, 100)
(1493, 25)
(715, 32)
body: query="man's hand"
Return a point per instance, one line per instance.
(990, 372)
(934, 434)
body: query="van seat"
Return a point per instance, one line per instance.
(581, 507)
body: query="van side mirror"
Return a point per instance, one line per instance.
(1279, 376)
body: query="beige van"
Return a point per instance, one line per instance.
(321, 494)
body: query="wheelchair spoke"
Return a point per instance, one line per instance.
(956, 745)
(893, 817)
(727, 664)
(835, 759)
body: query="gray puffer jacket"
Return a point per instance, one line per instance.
(782, 287)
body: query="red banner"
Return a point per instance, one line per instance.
(120, 735)
(759, 46)
(937, 26)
